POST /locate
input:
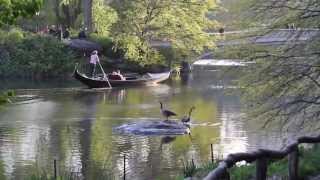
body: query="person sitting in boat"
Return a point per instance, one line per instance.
(121, 76)
(94, 59)
(116, 75)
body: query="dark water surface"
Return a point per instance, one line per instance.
(74, 126)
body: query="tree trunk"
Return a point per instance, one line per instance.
(56, 10)
(66, 11)
(87, 13)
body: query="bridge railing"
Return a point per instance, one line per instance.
(260, 157)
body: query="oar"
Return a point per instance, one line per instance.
(104, 74)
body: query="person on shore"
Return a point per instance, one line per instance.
(82, 34)
(52, 30)
(94, 59)
(66, 34)
(59, 33)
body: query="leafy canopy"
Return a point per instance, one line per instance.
(103, 17)
(10, 10)
(284, 84)
(182, 23)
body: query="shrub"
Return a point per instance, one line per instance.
(4, 97)
(107, 45)
(34, 56)
(14, 36)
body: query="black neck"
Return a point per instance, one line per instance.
(190, 112)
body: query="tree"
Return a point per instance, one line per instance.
(285, 82)
(87, 14)
(10, 10)
(103, 17)
(67, 12)
(182, 23)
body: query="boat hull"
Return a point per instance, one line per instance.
(149, 79)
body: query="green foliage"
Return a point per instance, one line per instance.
(10, 10)
(64, 176)
(309, 162)
(14, 36)
(242, 172)
(5, 97)
(103, 17)
(278, 167)
(189, 169)
(67, 12)
(32, 55)
(282, 86)
(309, 165)
(107, 45)
(11, 37)
(182, 23)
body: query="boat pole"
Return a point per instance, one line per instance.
(104, 74)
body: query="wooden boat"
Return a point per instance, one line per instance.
(132, 80)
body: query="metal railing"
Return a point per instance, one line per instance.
(261, 156)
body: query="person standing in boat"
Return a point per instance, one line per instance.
(94, 59)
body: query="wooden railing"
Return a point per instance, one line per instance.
(261, 156)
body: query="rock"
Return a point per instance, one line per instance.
(84, 45)
(154, 128)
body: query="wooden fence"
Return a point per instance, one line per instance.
(261, 156)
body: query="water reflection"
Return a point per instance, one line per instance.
(116, 96)
(75, 127)
(185, 78)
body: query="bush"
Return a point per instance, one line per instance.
(242, 172)
(310, 162)
(4, 97)
(14, 36)
(107, 45)
(34, 56)
(189, 169)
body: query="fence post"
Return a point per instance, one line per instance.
(293, 162)
(261, 169)
(212, 159)
(124, 167)
(226, 176)
(55, 168)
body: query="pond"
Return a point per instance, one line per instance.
(74, 126)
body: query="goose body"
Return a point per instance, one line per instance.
(186, 119)
(166, 113)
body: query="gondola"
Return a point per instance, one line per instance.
(132, 80)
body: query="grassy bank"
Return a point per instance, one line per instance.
(309, 165)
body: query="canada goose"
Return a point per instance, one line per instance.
(186, 119)
(166, 113)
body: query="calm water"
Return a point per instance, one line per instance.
(74, 126)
